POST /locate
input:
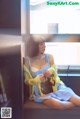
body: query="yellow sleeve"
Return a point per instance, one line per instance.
(53, 70)
(28, 79)
(59, 81)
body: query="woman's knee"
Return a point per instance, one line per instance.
(75, 100)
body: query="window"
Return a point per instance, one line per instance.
(51, 19)
(66, 56)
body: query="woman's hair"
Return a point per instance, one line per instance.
(32, 46)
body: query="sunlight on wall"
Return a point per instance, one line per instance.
(24, 16)
(41, 15)
(64, 53)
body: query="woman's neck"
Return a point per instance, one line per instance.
(40, 56)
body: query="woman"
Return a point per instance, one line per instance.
(41, 75)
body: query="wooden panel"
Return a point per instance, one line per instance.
(10, 11)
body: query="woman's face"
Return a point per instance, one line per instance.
(42, 47)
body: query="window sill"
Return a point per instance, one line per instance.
(68, 70)
(62, 74)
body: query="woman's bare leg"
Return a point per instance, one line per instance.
(75, 100)
(57, 104)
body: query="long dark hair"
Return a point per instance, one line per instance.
(32, 46)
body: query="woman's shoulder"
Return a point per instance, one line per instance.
(26, 61)
(49, 55)
(51, 58)
(26, 58)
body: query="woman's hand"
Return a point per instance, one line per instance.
(47, 74)
(42, 77)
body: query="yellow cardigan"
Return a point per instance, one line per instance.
(28, 79)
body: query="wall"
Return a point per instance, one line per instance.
(10, 14)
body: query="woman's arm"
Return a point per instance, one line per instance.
(28, 79)
(51, 60)
(53, 69)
